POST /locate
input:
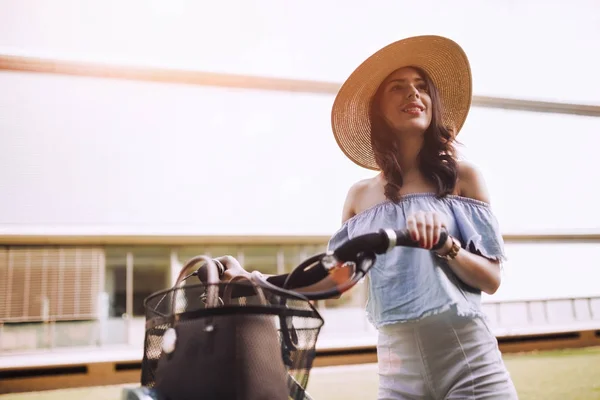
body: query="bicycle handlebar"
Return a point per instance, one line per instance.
(361, 251)
(380, 242)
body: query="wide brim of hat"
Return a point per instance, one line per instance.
(441, 58)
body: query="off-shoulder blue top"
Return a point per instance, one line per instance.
(408, 284)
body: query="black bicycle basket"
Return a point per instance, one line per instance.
(235, 340)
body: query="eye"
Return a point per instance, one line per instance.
(422, 87)
(395, 87)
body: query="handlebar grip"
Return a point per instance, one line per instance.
(376, 242)
(443, 238)
(403, 239)
(381, 242)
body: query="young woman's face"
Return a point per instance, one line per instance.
(405, 102)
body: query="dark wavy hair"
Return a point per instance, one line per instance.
(437, 158)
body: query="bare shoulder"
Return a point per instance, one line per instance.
(355, 196)
(471, 182)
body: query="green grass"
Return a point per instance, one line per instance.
(563, 374)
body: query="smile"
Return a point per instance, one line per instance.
(413, 110)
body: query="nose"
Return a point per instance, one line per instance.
(413, 92)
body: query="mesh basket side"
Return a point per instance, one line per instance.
(299, 358)
(303, 320)
(152, 352)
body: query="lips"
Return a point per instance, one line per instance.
(413, 109)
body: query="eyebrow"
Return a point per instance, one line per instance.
(403, 80)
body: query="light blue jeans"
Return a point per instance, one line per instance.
(441, 357)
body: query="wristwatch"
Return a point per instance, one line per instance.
(451, 254)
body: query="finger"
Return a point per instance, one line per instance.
(420, 221)
(411, 225)
(229, 262)
(427, 243)
(437, 226)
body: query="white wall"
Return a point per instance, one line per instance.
(81, 155)
(527, 48)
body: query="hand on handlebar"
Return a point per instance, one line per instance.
(425, 228)
(233, 268)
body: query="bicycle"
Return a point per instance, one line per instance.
(292, 316)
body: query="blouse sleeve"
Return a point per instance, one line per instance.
(479, 229)
(338, 238)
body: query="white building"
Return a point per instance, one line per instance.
(110, 184)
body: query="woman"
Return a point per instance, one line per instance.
(399, 112)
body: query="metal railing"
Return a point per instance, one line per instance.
(53, 335)
(547, 315)
(528, 316)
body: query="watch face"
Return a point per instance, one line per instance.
(454, 250)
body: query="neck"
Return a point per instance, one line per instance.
(408, 152)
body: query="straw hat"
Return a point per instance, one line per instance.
(442, 59)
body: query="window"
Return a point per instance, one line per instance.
(151, 273)
(293, 255)
(116, 280)
(262, 258)
(49, 283)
